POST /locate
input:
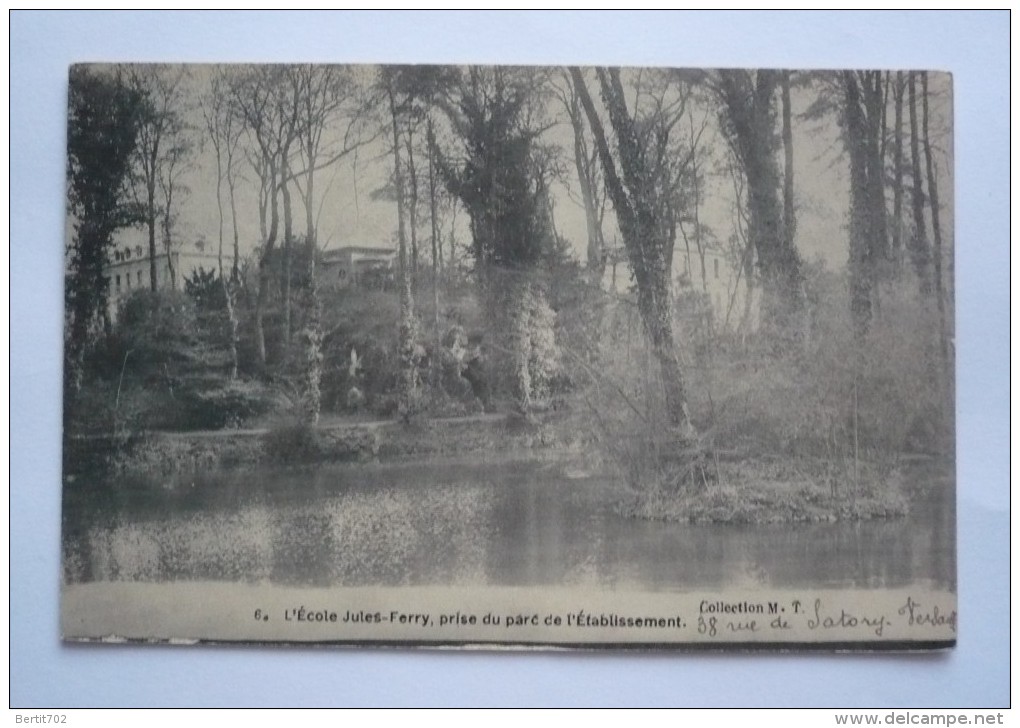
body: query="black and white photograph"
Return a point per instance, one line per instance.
(509, 356)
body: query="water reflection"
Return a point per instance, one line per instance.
(520, 523)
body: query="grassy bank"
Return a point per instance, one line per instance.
(167, 453)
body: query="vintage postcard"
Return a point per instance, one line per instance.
(509, 356)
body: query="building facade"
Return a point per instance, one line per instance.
(354, 265)
(128, 267)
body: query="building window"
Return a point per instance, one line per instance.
(118, 281)
(716, 264)
(139, 278)
(127, 279)
(138, 250)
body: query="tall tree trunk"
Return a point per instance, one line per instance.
(897, 233)
(520, 342)
(412, 176)
(235, 273)
(227, 296)
(437, 257)
(288, 240)
(596, 258)
(265, 271)
(655, 305)
(150, 221)
(919, 244)
(780, 271)
(789, 218)
(310, 231)
(748, 102)
(874, 145)
(264, 196)
(312, 332)
(235, 270)
(645, 248)
(168, 242)
(408, 405)
(936, 227)
(312, 335)
(861, 229)
(698, 242)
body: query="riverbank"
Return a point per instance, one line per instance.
(747, 489)
(170, 453)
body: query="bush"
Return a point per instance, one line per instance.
(228, 403)
(294, 442)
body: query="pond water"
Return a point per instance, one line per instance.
(457, 522)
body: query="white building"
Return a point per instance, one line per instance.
(128, 267)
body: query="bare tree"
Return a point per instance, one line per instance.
(589, 179)
(696, 153)
(265, 102)
(224, 132)
(172, 190)
(162, 142)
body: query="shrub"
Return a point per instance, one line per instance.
(294, 442)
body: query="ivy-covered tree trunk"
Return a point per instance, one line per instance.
(311, 395)
(778, 264)
(519, 344)
(644, 219)
(408, 404)
(861, 228)
(655, 305)
(748, 111)
(311, 335)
